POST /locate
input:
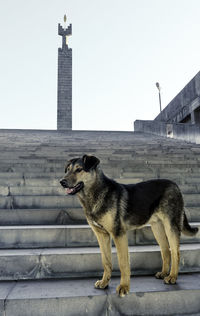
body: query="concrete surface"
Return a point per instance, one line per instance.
(148, 296)
(44, 236)
(16, 264)
(31, 164)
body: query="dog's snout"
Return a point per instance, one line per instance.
(63, 182)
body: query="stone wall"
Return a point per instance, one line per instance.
(186, 132)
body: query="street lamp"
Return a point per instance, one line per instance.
(159, 88)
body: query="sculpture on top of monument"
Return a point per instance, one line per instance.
(64, 32)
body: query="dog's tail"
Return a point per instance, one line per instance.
(187, 229)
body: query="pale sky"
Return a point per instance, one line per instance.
(121, 48)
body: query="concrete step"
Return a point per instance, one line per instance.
(25, 148)
(141, 173)
(61, 201)
(85, 262)
(58, 216)
(35, 137)
(25, 185)
(193, 213)
(38, 201)
(148, 296)
(191, 199)
(55, 189)
(145, 236)
(42, 216)
(164, 172)
(48, 216)
(40, 236)
(38, 137)
(59, 155)
(127, 170)
(131, 165)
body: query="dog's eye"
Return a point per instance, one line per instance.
(79, 169)
(66, 169)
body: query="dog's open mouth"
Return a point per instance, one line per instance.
(75, 189)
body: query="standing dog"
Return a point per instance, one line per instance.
(112, 209)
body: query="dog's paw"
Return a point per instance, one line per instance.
(161, 275)
(101, 284)
(170, 279)
(122, 290)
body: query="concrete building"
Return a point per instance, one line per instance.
(180, 118)
(185, 107)
(64, 105)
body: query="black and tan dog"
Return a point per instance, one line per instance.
(112, 209)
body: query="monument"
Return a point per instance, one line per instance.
(64, 93)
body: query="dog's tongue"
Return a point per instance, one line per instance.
(69, 190)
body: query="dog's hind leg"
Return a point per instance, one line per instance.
(161, 238)
(104, 241)
(173, 236)
(121, 244)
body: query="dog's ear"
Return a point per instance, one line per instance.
(90, 162)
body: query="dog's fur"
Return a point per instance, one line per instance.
(112, 209)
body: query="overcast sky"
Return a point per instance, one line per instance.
(121, 48)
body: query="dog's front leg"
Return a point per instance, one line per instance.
(121, 244)
(104, 241)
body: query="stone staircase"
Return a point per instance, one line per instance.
(49, 256)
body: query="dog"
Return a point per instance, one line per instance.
(112, 209)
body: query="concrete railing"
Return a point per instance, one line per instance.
(186, 132)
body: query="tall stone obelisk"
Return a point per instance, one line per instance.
(64, 96)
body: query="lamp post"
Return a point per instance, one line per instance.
(159, 88)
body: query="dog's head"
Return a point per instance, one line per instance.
(78, 173)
